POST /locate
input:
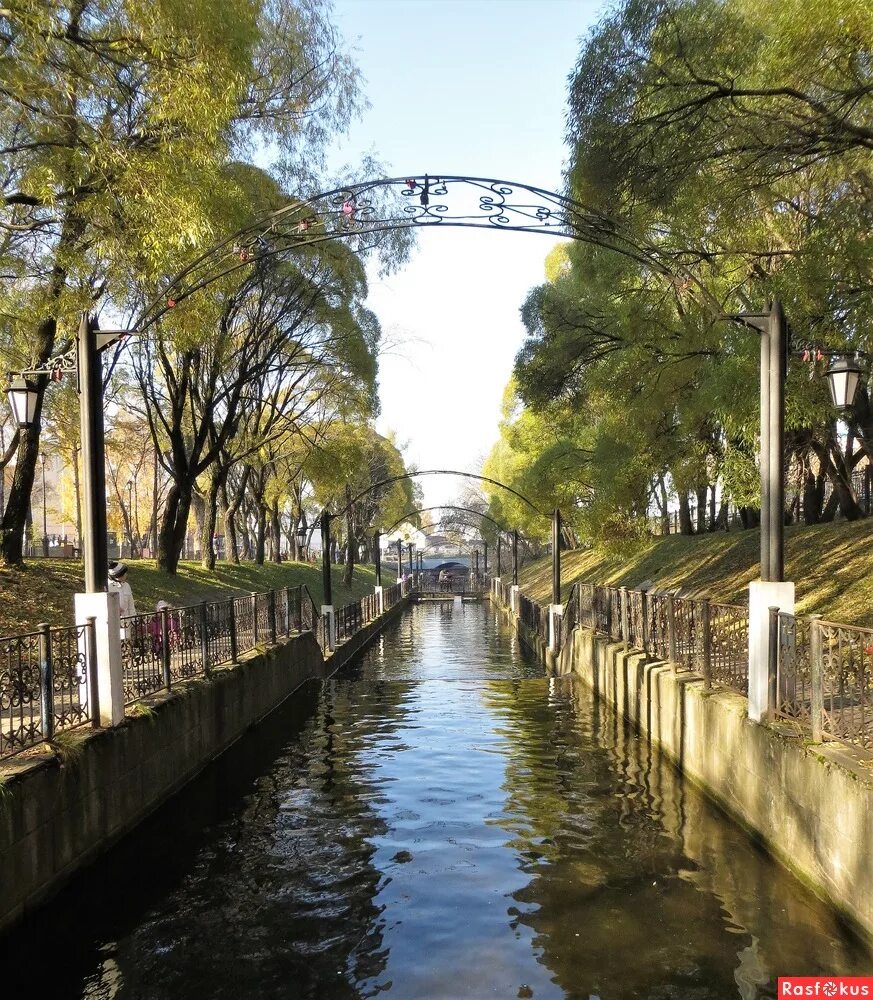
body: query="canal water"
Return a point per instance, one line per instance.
(442, 821)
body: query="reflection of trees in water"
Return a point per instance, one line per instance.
(636, 885)
(275, 900)
(282, 902)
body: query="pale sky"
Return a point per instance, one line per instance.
(474, 87)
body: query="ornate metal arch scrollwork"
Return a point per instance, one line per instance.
(377, 206)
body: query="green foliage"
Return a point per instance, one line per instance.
(732, 140)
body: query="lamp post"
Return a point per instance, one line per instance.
(301, 538)
(377, 553)
(772, 591)
(556, 557)
(325, 559)
(515, 558)
(399, 559)
(130, 513)
(499, 547)
(45, 541)
(84, 359)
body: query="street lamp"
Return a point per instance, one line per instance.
(301, 538)
(130, 513)
(45, 540)
(844, 376)
(83, 359)
(22, 401)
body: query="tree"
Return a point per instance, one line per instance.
(116, 125)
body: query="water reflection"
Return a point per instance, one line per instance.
(441, 822)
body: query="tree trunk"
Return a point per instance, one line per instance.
(702, 494)
(174, 527)
(260, 542)
(813, 496)
(277, 532)
(18, 503)
(350, 543)
(153, 528)
(665, 506)
(685, 526)
(210, 517)
(77, 491)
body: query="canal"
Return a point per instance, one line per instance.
(441, 821)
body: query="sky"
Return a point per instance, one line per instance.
(471, 87)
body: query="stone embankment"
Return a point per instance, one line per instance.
(57, 816)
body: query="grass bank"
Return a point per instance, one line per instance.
(831, 565)
(43, 590)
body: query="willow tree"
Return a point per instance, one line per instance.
(734, 139)
(116, 122)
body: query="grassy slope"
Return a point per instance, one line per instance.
(831, 564)
(43, 590)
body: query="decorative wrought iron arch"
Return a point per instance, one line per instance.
(446, 506)
(417, 201)
(436, 472)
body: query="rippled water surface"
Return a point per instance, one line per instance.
(442, 821)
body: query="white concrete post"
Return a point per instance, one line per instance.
(513, 599)
(380, 601)
(555, 611)
(104, 608)
(327, 609)
(763, 596)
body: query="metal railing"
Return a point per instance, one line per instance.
(48, 677)
(391, 595)
(164, 647)
(690, 633)
(47, 684)
(825, 678)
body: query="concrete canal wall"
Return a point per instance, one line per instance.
(57, 817)
(809, 805)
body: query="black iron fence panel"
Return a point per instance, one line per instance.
(141, 656)
(219, 632)
(70, 682)
(348, 620)
(587, 594)
(729, 646)
(794, 676)
(186, 644)
(264, 624)
(45, 680)
(686, 617)
(391, 595)
(244, 615)
(847, 682)
(20, 693)
(659, 625)
(636, 625)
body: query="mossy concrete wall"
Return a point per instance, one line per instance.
(811, 806)
(56, 817)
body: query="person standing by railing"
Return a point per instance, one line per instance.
(118, 582)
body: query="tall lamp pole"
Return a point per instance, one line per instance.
(377, 552)
(45, 541)
(325, 559)
(399, 559)
(772, 328)
(515, 558)
(556, 557)
(130, 513)
(499, 547)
